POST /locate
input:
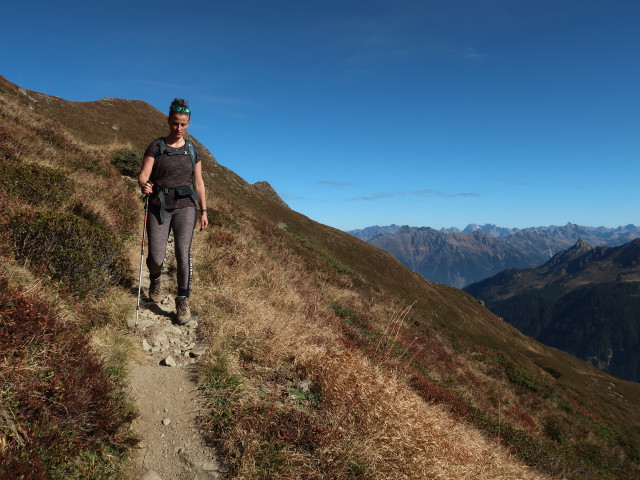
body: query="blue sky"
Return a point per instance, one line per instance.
(427, 113)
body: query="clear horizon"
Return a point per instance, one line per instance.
(422, 113)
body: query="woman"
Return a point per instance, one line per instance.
(171, 168)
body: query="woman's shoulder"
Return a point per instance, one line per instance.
(152, 148)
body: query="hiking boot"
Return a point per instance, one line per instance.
(183, 310)
(155, 290)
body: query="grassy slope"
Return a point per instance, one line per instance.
(358, 288)
(62, 413)
(451, 311)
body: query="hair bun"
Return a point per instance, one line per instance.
(179, 105)
(179, 102)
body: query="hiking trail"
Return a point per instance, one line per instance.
(165, 392)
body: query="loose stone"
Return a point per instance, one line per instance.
(304, 385)
(196, 352)
(151, 475)
(208, 466)
(170, 362)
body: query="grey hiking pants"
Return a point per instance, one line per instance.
(182, 221)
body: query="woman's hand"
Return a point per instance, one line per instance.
(146, 188)
(204, 221)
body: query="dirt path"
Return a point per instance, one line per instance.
(164, 389)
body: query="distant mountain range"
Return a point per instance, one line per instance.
(584, 300)
(459, 258)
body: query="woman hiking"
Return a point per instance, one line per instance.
(171, 175)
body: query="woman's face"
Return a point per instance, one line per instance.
(178, 123)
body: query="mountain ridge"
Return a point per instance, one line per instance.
(459, 258)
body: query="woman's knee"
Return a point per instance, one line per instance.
(153, 264)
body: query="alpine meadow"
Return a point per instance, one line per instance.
(402, 378)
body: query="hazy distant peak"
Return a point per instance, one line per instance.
(490, 229)
(374, 231)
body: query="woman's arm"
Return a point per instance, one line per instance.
(200, 190)
(145, 173)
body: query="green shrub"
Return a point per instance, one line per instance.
(81, 209)
(128, 162)
(324, 256)
(553, 429)
(219, 219)
(218, 381)
(340, 310)
(85, 257)
(35, 184)
(521, 378)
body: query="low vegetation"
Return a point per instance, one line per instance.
(128, 162)
(84, 257)
(63, 413)
(59, 416)
(33, 183)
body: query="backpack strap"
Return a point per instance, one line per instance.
(192, 154)
(160, 144)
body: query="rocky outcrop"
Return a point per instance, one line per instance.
(266, 190)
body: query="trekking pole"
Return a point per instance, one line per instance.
(144, 231)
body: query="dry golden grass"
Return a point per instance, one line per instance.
(268, 313)
(116, 349)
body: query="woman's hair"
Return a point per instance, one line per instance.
(180, 106)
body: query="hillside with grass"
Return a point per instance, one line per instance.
(328, 358)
